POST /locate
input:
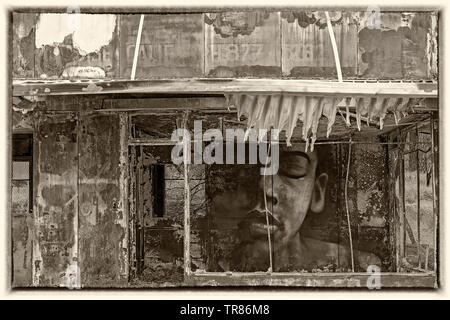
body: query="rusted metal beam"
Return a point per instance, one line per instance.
(419, 89)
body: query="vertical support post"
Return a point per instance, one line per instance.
(123, 185)
(402, 197)
(187, 209)
(418, 194)
(435, 189)
(139, 214)
(76, 220)
(132, 215)
(338, 164)
(36, 258)
(187, 222)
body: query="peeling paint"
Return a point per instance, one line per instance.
(53, 28)
(237, 44)
(306, 18)
(229, 24)
(23, 45)
(398, 49)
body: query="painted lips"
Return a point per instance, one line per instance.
(257, 224)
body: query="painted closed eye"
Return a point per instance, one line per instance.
(294, 167)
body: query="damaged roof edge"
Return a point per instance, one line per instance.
(417, 89)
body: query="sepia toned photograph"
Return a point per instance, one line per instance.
(234, 147)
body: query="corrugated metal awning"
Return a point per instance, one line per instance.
(283, 112)
(267, 103)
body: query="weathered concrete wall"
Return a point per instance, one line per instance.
(254, 44)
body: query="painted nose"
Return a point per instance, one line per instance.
(267, 190)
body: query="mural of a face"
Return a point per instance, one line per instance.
(294, 191)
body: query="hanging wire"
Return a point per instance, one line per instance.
(267, 212)
(346, 204)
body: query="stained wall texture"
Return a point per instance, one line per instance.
(55, 245)
(306, 48)
(250, 44)
(171, 46)
(79, 228)
(101, 235)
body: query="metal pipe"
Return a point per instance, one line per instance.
(334, 46)
(136, 48)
